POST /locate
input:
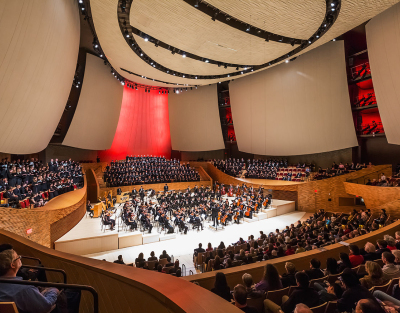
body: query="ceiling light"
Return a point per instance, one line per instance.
(167, 71)
(196, 4)
(241, 72)
(287, 61)
(206, 61)
(159, 92)
(248, 28)
(183, 55)
(228, 75)
(126, 33)
(332, 4)
(141, 54)
(177, 90)
(183, 76)
(281, 39)
(101, 55)
(80, 1)
(309, 41)
(146, 38)
(333, 9)
(333, 39)
(196, 77)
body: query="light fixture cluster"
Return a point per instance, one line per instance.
(180, 90)
(76, 81)
(332, 11)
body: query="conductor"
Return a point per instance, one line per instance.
(214, 215)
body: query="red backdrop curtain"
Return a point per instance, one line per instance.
(143, 126)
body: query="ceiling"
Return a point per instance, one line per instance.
(179, 24)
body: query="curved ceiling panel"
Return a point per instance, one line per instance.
(177, 63)
(120, 55)
(177, 23)
(290, 18)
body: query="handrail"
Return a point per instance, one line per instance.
(59, 286)
(364, 177)
(50, 269)
(190, 272)
(183, 270)
(31, 258)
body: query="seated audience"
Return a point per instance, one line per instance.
(389, 268)
(28, 299)
(250, 289)
(354, 256)
(120, 260)
(240, 299)
(148, 170)
(270, 281)
(374, 277)
(221, 287)
(288, 278)
(315, 272)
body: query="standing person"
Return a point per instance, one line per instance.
(214, 215)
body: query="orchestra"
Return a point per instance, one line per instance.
(189, 209)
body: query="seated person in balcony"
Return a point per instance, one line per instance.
(28, 299)
(240, 298)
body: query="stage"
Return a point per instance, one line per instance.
(87, 238)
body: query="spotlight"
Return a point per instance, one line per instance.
(146, 38)
(186, 89)
(126, 33)
(183, 55)
(168, 91)
(248, 28)
(136, 87)
(181, 89)
(196, 4)
(241, 72)
(167, 71)
(287, 61)
(159, 92)
(183, 75)
(332, 4)
(206, 61)
(177, 90)
(228, 75)
(196, 77)
(281, 39)
(309, 41)
(80, 1)
(101, 55)
(333, 39)
(141, 54)
(214, 16)
(333, 9)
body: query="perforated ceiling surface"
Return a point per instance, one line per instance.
(179, 24)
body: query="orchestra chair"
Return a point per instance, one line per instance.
(276, 295)
(320, 308)
(104, 226)
(257, 303)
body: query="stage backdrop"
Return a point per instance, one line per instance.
(194, 120)
(96, 117)
(301, 107)
(143, 126)
(39, 44)
(383, 40)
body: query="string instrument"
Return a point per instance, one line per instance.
(247, 213)
(236, 216)
(230, 194)
(256, 207)
(265, 202)
(238, 192)
(224, 218)
(219, 216)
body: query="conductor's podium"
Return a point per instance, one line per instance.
(123, 198)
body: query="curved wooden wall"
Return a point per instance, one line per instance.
(301, 261)
(50, 222)
(376, 197)
(122, 288)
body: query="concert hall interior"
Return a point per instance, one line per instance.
(199, 156)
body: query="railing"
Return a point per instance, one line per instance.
(183, 270)
(39, 268)
(363, 179)
(59, 287)
(190, 272)
(31, 258)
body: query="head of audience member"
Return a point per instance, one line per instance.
(354, 250)
(140, 257)
(159, 268)
(369, 247)
(10, 263)
(396, 254)
(247, 280)
(271, 276)
(290, 268)
(302, 280)
(390, 241)
(344, 257)
(302, 308)
(388, 258)
(240, 296)
(314, 263)
(152, 253)
(331, 266)
(382, 244)
(200, 245)
(368, 306)
(349, 278)
(220, 281)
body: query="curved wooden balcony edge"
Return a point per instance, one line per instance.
(123, 288)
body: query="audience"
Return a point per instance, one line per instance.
(32, 182)
(374, 277)
(221, 287)
(240, 299)
(148, 170)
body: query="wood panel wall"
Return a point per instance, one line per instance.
(122, 288)
(376, 197)
(50, 222)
